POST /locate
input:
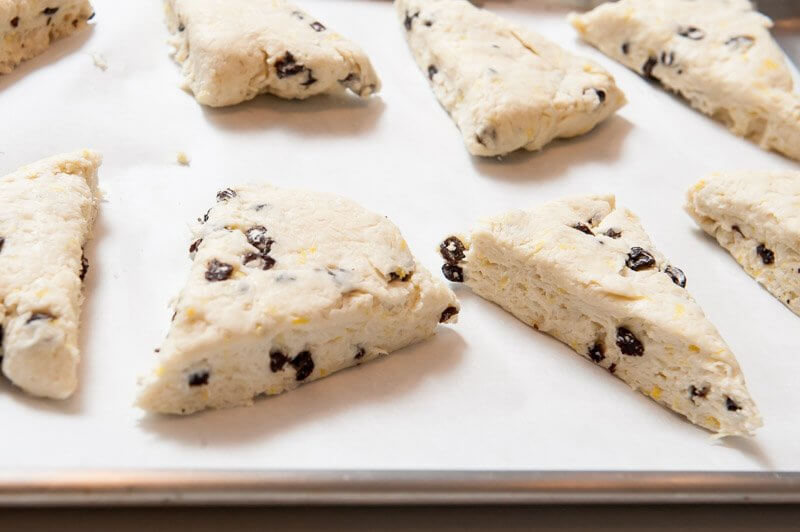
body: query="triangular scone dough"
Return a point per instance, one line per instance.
(48, 209)
(585, 272)
(288, 286)
(27, 27)
(505, 87)
(718, 54)
(755, 216)
(233, 50)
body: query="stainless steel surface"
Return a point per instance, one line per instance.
(391, 487)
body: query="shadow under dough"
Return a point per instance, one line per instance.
(58, 49)
(377, 381)
(319, 115)
(602, 144)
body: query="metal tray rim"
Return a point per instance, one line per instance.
(273, 487)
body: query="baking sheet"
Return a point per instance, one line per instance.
(488, 393)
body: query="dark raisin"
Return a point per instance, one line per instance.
(767, 256)
(453, 273)
(736, 228)
(91, 16)
(628, 343)
(639, 259)
(277, 360)
(287, 66)
(303, 364)
(2, 241)
(448, 313)
(612, 368)
(203, 219)
(199, 378)
(50, 11)
(597, 353)
(432, 71)
(647, 68)
(625, 48)
(452, 250)
(582, 228)
(601, 95)
(15, 22)
(225, 195)
(36, 316)
(84, 267)
(428, 23)
(743, 42)
(479, 140)
(731, 405)
(218, 271)
(317, 26)
(667, 58)
(269, 262)
(690, 32)
(409, 20)
(195, 245)
(257, 237)
(75, 23)
(360, 352)
(181, 27)
(250, 257)
(677, 275)
(612, 233)
(694, 391)
(350, 81)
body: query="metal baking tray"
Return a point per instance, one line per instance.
(488, 410)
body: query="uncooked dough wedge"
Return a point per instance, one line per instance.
(718, 54)
(756, 217)
(504, 86)
(233, 50)
(288, 286)
(27, 27)
(48, 209)
(585, 272)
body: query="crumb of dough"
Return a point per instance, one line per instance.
(99, 61)
(183, 159)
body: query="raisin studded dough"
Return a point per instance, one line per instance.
(585, 272)
(234, 50)
(288, 286)
(504, 86)
(718, 54)
(27, 27)
(48, 210)
(756, 217)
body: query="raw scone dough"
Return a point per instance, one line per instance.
(756, 217)
(718, 54)
(27, 27)
(233, 50)
(288, 286)
(48, 209)
(585, 272)
(504, 86)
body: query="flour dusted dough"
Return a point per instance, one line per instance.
(288, 286)
(233, 50)
(504, 86)
(48, 209)
(585, 272)
(27, 27)
(756, 217)
(718, 54)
